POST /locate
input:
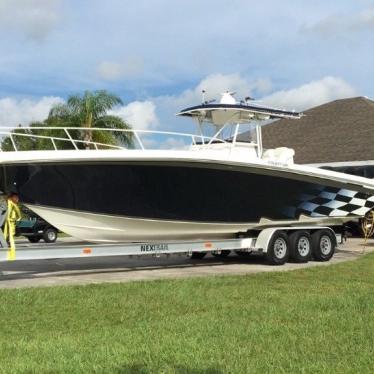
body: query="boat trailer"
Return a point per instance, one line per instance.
(276, 244)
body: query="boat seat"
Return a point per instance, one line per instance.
(281, 154)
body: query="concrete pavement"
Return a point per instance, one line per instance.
(37, 273)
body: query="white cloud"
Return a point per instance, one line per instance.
(14, 112)
(112, 70)
(299, 98)
(214, 85)
(34, 18)
(175, 143)
(141, 115)
(311, 94)
(263, 85)
(344, 23)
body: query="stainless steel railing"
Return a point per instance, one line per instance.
(140, 139)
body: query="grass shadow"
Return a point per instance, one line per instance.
(141, 369)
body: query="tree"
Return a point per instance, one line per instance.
(89, 110)
(23, 139)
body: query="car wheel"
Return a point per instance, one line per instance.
(50, 235)
(33, 239)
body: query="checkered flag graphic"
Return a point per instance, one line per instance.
(332, 202)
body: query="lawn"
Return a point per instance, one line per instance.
(318, 320)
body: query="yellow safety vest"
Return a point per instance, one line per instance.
(13, 215)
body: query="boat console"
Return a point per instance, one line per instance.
(228, 118)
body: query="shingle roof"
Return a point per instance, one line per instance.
(342, 130)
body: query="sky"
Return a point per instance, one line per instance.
(158, 55)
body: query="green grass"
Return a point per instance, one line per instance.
(318, 320)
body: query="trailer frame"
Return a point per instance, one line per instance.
(250, 243)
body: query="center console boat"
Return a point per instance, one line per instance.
(216, 185)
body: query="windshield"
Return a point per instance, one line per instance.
(243, 132)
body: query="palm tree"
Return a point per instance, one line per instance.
(90, 110)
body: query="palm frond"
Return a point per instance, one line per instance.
(102, 101)
(82, 110)
(105, 137)
(125, 138)
(59, 111)
(75, 103)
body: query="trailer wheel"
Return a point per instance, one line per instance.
(300, 246)
(198, 255)
(50, 235)
(221, 254)
(323, 245)
(278, 249)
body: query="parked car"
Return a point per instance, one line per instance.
(35, 228)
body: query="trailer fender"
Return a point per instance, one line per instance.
(264, 238)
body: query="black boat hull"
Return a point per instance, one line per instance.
(223, 197)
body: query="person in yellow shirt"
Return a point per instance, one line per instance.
(13, 215)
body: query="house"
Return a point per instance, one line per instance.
(338, 135)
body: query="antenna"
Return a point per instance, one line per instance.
(203, 96)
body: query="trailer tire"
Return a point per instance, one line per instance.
(278, 250)
(221, 254)
(323, 245)
(300, 246)
(198, 255)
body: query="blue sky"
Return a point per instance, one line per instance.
(157, 55)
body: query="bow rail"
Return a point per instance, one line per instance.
(117, 138)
